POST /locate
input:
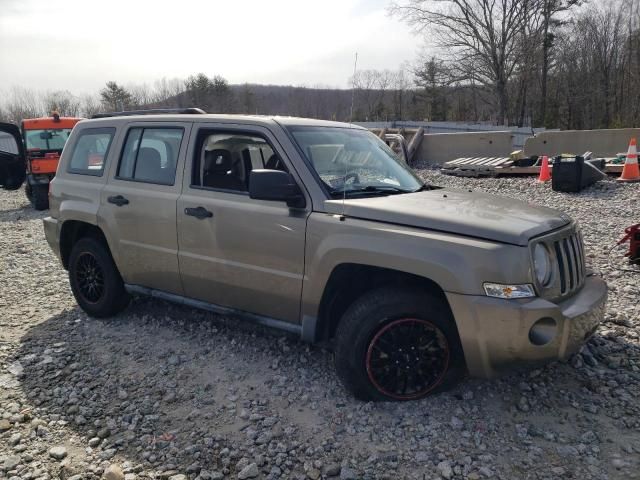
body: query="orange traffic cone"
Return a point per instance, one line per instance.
(545, 171)
(631, 172)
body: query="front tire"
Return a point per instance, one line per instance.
(398, 344)
(95, 281)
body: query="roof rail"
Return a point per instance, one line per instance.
(153, 111)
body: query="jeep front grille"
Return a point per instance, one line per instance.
(570, 259)
(568, 262)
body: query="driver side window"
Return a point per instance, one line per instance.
(224, 160)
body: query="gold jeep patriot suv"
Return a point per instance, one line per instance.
(319, 229)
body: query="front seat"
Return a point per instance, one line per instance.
(218, 171)
(274, 163)
(148, 165)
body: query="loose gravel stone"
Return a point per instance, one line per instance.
(348, 473)
(113, 472)
(58, 452)
(11, 462)
(250, 471)
(445, 469)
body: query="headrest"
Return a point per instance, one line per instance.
(272, 163)
(217, 161)
(149, 155)
(148, 165)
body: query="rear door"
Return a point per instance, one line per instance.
(236, 251)
(138, 204)
(13, 168)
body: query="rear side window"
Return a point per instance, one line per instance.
(150, 155)
(90, 151)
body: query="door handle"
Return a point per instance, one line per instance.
(118, 200)
(199, 212)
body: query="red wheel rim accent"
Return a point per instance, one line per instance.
(438, 358)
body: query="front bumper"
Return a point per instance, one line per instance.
(52, 235)
(495, 332)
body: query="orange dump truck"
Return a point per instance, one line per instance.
(44, 139)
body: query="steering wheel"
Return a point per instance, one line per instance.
(354, 176)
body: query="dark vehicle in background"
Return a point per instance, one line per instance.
(32, 153)
(13, 168)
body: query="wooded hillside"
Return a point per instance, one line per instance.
(570, 64)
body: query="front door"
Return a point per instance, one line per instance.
(139, 203)
(13, 168)
(235, 251)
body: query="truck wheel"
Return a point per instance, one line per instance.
(397, 344)
(95, 281)
(12, 184)
(39, 196)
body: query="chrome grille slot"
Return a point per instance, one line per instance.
(570, 262)
(574, 250)
(561, 270)
(567, 250)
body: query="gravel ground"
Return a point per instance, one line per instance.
(168, 392)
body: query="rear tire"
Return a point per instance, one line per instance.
(398, 344)
(95, 281)
(40, 197)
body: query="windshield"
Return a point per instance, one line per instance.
(350, 161)
(47, 139)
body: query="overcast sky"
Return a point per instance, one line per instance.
(78, 45)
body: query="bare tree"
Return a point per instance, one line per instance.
(480, 37)
(371, 88)
(549, 11)
(89, 105)
(364, 85)
(401, 82)
(165, 93)
(63, 102)
(21, 103)
(140, 95)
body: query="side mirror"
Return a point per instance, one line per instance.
(275, 185)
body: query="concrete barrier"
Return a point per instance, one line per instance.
(603, 143)
(438, 148)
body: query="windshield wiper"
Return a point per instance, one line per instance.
(372, 189)
(425, 187)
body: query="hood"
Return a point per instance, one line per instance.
(461, 212)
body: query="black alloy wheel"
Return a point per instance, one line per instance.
(398, 343)
(407, 358)
(95, 280)
(90, 277)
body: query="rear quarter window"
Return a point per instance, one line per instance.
(90, 151)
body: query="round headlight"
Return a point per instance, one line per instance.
(542, 264)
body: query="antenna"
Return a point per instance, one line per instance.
(353, 95)
(353, 88)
